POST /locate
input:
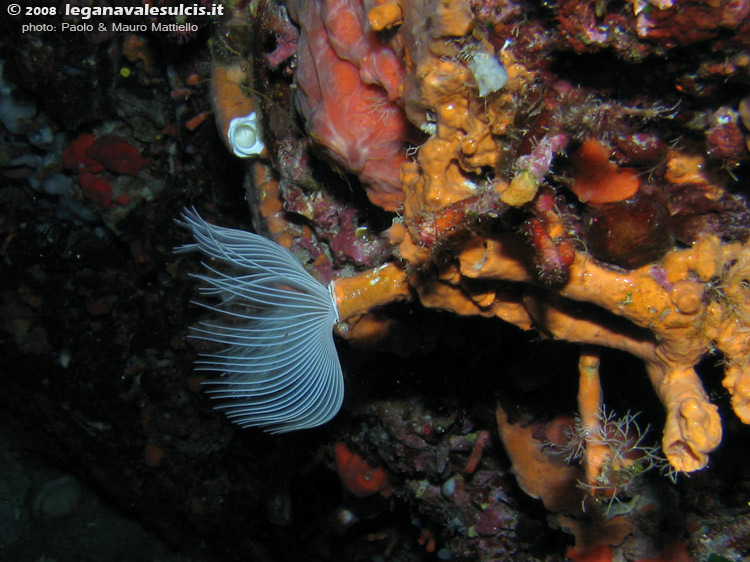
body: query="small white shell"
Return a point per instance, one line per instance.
(56, 498)
(488, 72)
(244, 136)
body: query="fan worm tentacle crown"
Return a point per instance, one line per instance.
(279, 363)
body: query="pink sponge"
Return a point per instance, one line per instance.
(348, 81)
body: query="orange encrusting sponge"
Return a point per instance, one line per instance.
(358, 476)
(598, 180)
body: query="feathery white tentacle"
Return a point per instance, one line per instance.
(280, 366)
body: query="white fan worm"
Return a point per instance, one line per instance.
(279, 364)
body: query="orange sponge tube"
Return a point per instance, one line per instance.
(359, 294)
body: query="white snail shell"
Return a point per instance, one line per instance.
(57, 498)
(244, 136)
